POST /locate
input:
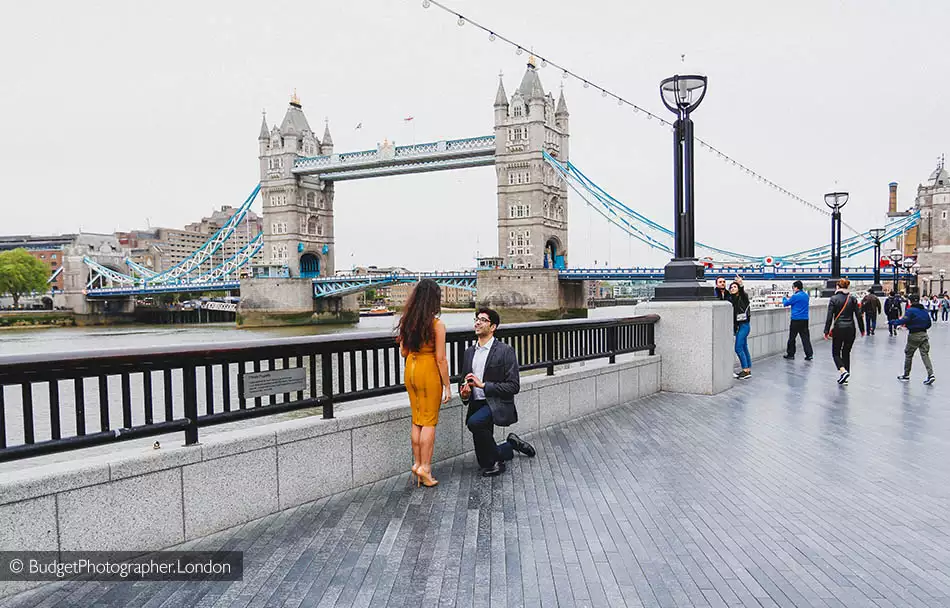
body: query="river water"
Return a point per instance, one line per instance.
(59, 340)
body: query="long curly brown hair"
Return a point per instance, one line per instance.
(424, 304)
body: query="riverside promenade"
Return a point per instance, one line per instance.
(788, 490)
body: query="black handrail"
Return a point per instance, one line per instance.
(182, 388)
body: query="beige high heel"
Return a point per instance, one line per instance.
(415, 472)
(425, 478)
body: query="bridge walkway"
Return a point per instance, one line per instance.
(788, 490)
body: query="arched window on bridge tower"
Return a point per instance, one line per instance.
(312, 224)
(309, 266)
(311, 199)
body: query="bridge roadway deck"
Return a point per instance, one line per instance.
(788, 490)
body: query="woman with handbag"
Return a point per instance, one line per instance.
(741, 324)
(844, 312)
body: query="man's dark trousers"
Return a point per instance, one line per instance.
(870, 321)
(799, 327)
(480, 423)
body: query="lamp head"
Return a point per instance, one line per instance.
(942, 272)
(896, 256)
(836, 200)
(683, 93)
(908, 263)
(876, 233)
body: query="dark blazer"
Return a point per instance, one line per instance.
(502, 382)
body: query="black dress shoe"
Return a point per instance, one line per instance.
(496, 469)
(788, 356)
(520, 445)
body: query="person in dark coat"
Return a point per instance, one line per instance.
(490, 381)
(892, 310)
(844, 312)
(871, 305)
(742, 325)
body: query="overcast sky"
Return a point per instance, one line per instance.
(120, 114)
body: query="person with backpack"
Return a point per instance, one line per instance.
(892, 309)
(871, 306)
(945, 308)
(917, 321)
(844, 311)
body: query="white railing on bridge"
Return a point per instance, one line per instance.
(484, 145)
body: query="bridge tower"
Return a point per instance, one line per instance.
(298, 210)
(532, 199)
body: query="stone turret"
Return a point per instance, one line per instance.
(532, 200)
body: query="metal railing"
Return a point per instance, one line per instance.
(80, 399)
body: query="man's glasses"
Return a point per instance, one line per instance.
(482, 319)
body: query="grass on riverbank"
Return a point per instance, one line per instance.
(26, 319)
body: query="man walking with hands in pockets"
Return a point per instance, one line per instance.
(490, 381)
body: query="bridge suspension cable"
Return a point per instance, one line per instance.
(659, 237)
(566, 73)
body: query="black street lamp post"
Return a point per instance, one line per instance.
(942, 272)
(835, 201)
(684, 275)
(876, 234)
(895, 257)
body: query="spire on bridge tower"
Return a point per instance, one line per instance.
(295, 123)
(501, 97)
(294, 100)
(531, 84)
(327, 146)
(562, 104)
(265, 134)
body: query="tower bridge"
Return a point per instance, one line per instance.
(298, 279)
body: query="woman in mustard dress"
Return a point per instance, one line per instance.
(421, 337)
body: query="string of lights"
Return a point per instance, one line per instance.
(587, 83)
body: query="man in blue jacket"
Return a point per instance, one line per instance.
(917, 321)
(799, 325)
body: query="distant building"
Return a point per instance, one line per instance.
(932, 235)
(163, 248)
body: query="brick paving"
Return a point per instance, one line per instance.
(788, 490)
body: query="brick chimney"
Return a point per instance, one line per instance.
(892, 202)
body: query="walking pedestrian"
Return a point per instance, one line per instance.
(892, 309)
(490, 381)
(945, 308)
(871, 305)
(917, 322)
(798, 326)
(421, 337)
(843, 312)
(933, 305)
(741, 315)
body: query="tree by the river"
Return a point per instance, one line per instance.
(21, 274)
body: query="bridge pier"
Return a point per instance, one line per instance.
(270, 302)
(531, 294)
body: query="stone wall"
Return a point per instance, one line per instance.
(266, 302)
(149, 501)
(531, 294)
(769, 332)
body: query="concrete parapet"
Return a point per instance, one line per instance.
(147, 500)
(768, 335)
(696, 342)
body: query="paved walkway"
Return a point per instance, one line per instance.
(788, 490)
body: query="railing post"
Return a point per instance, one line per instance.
(549, 351)
(613, 338)
(190, 394)
(326, 372)
(651, 333)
